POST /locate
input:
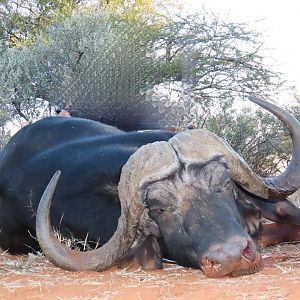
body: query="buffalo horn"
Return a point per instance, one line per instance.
(150, 163)
(210, 146)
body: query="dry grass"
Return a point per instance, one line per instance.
(74, 243)
(295, 198)
(23, 264)
(34, 273)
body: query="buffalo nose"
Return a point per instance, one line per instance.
(232, 250)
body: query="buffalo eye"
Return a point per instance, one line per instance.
(156, 211)
(159, 210)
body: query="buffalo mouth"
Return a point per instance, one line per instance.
(232, 269)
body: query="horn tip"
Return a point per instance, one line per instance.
(254, 98)
(56, 175)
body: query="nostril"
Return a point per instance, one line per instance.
(249, 251)
(218, 255)
(246, 252)
(208, 263)
(235, 256)
(232, 250)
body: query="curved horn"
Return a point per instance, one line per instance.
(210, 146)
(98, 259)
(287, 182)
(149, 163)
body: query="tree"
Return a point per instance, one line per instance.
(21, 20)
(216, 60)
(110, 66)
(259, 137)
(21, 95)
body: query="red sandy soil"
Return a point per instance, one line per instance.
(33, 277)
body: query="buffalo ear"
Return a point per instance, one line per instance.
(252, 216)
(282, 211)
(274, 233)
(146, 255)
(287, 212)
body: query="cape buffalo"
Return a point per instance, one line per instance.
(144, 196)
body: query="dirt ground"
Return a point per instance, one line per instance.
(33, 277)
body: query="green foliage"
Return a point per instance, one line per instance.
(90, 60)
(170, 70)
(256, 135)
(21, 93)
(221, 60)
(21, 20)
(149, 11)
(4, 133)
(102, 61)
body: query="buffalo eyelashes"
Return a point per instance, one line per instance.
(157, 210)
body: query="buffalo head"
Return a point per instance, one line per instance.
(195, 197)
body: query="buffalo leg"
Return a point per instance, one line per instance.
(18, 243)
(275, 233)
(147, 255)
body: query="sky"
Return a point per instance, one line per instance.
(279, 22)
